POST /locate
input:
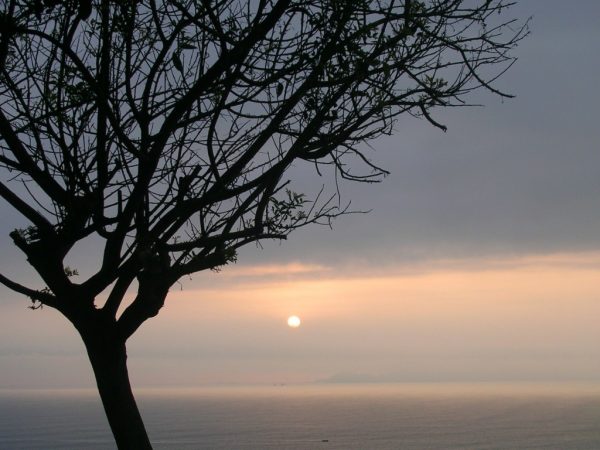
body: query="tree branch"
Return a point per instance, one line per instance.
(38, 296)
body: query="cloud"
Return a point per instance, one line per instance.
(275, 270)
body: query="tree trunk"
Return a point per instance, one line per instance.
(109, 361)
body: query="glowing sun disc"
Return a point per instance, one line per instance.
(294, 321)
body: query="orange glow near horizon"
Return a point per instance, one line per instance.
(540, 291)
(528, 318)
(532, 319)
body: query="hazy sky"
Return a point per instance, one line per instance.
(480, 259)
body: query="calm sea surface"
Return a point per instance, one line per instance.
(405, 416)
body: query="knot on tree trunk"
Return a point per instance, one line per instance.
(153, 289)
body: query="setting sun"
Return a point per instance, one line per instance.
(294, 321)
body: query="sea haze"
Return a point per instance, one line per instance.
(401, 416)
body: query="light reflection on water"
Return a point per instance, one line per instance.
(401, 416)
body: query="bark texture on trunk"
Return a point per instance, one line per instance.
(109, 360)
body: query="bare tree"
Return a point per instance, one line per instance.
(164, 129)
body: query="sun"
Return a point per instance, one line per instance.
(294, 321)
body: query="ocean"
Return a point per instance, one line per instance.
(362, 417)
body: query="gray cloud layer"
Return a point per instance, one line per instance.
(512, 177)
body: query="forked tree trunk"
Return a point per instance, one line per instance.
(109, 361)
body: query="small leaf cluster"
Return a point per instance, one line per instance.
(286, 213)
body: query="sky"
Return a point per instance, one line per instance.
(479, 260)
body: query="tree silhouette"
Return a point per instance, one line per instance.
(164, 129)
